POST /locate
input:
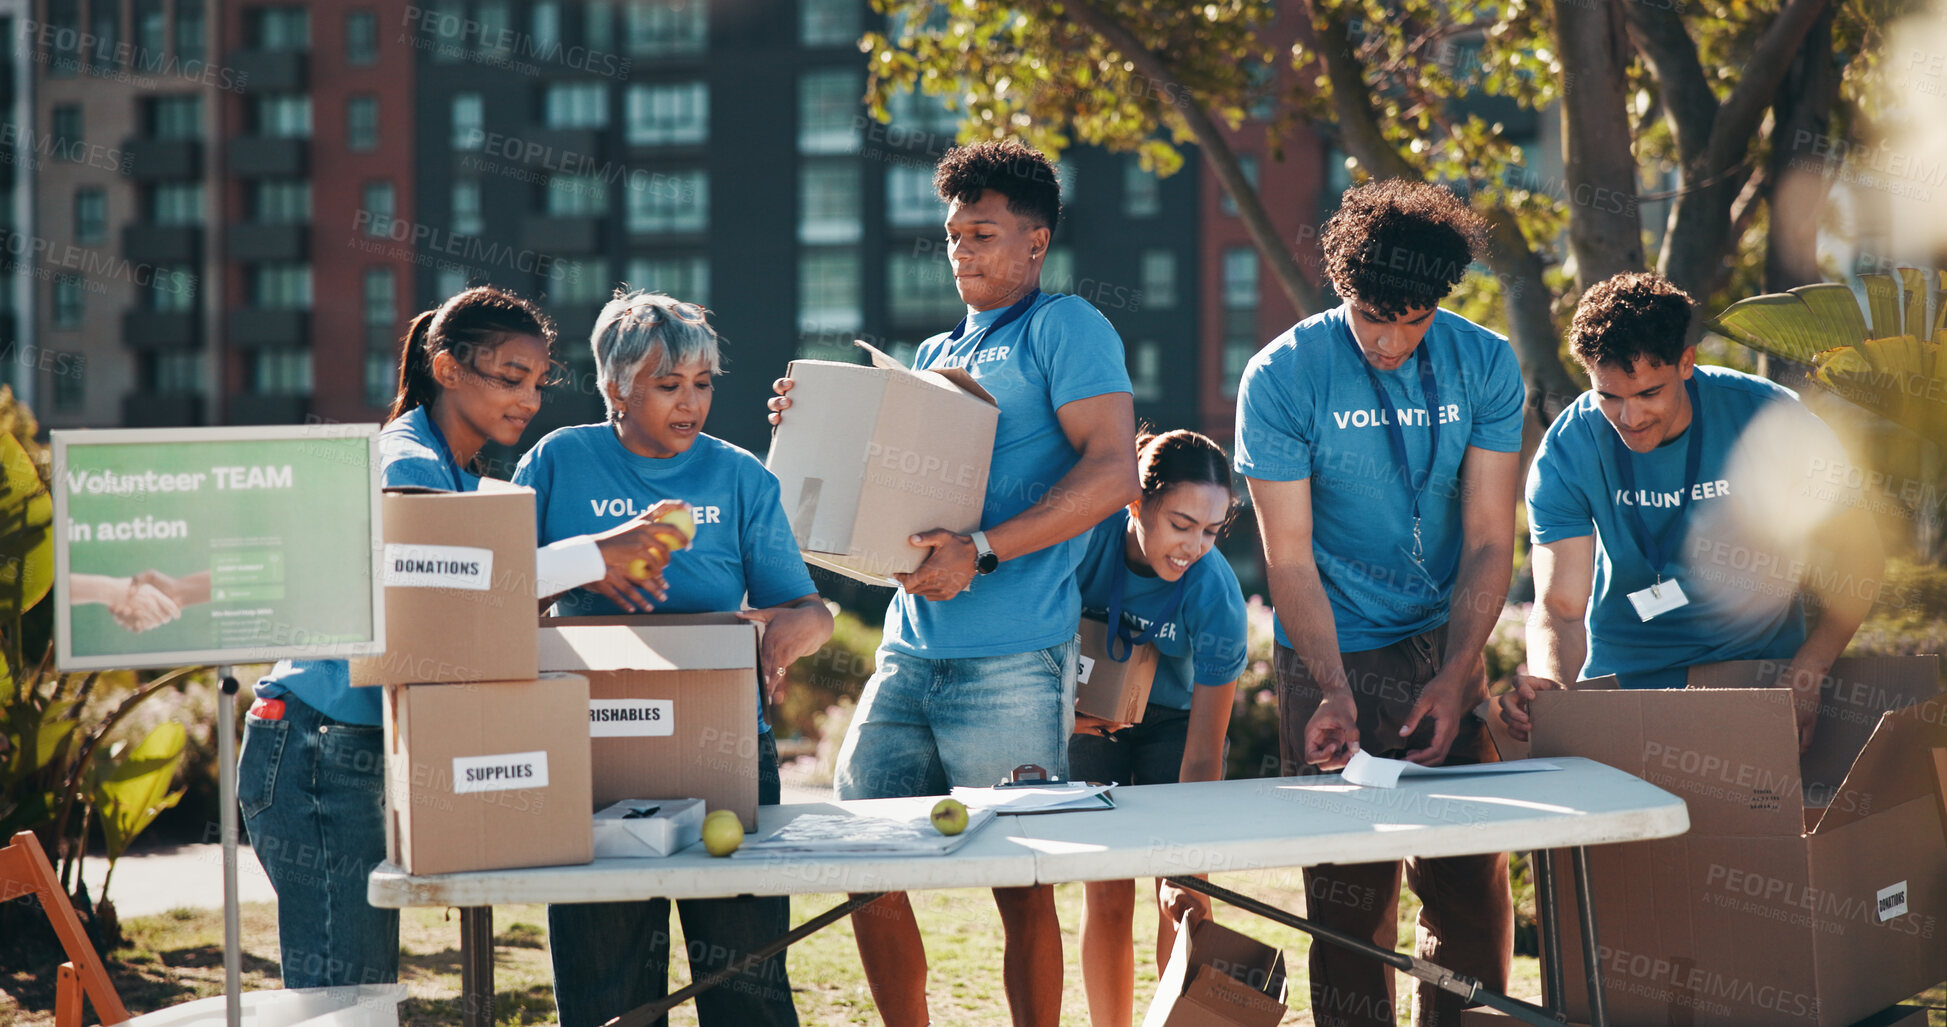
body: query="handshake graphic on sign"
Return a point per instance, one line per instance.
(141, 602)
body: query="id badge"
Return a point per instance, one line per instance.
(1659, 598)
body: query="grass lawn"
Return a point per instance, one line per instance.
(177, 956)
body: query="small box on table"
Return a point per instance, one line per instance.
(637, 828)
(1105, 688)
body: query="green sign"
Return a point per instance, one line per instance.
(216, 545)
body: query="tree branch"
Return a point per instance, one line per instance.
(1358, 123)
(1688, 102)
(1739, 118)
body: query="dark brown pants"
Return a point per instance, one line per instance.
(1466, 912)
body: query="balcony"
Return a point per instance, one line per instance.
(162, 329)
(272, 408)
(162, 244)
(262, 157)
(556, 147)
(544, 233)
(148, 158)
(162, 410)
(252, 242)
(269, 71)
(270, 328)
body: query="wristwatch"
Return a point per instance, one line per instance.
(984, 559)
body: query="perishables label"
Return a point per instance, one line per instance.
(501, 773)
(631, 718)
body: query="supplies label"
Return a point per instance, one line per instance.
(631, 718)
(423, 566)
(1892, 901)
(501, 773)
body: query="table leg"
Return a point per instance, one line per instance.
(1591, 955)
(477, 966)
(1440, 977)
(1553, 990)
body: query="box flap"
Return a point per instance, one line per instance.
(712, 641)
(1896, 765)
(487, 485)
(948, 377)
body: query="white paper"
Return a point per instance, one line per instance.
(1064, 795)
(1379, 772)
(846, 834)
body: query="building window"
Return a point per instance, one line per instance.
(449, 30)
(1248, 164)
(828, 202)
(280, 286)
(544, 25)
(280, 201)
(191, 28)
(468, 218)
(577, 105)
(68, 137)
(576, 196)
(496, 25)
(919, 287)
(277, 29)
(70, 384)
(828, 292)
(176, 203)
(1146, 371)
(669, 202)
(915, 111)
(361, 38)
(582, 280)
(828, 110)
(381, 297)
(172, 290)
(686, 278)
(281, 372)
(64, 36)
(911, 200)
(176, 117)
(1240, 313)
(1159, 279)
(381, 377)
(105, 25)
(284, 116)
(829, 22)
(469, 121)
(151, 35)
(660, 28)
(176, 372)
(1058, 270)
(378, 203)
(68, 294)
(669, 113)
(1142, 191)
(362, 123)
(598, 25)
(90, 217)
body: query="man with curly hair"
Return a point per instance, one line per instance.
(1380, 441)
(1687, 502)
(976, 671)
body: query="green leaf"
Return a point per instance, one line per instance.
(1796, 325)
(34, 736)
(26, 531)
(134, 786)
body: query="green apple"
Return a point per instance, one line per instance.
(722, 832)
(682, 520)
(949, 816)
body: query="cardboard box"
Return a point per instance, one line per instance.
(1105, 688)
(1895, 1016)
(487, 776)
(1771, 910)
(1217, 977)
(459, 587)
(637, 828)
(672, 704)
(869, 456)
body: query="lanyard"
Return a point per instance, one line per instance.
(1008, 317)
(1660, 547)
(1118, 580)
(1430, 393)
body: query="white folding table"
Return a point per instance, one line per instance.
(1169, 831)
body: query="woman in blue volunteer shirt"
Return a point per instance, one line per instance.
(655, 359)
(311, 775)
(1152, 567)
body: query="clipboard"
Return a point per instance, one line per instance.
(1033, 775)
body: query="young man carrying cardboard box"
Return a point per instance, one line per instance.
(1380, 442)
(976, 673)
(1686, 502)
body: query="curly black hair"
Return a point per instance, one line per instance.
(1631, 315)
(1021, 173)
(1396, 244)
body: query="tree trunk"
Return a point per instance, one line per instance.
(1605, 230)
(1531, 321)
(1801, 133)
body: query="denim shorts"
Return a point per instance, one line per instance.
(924, 725)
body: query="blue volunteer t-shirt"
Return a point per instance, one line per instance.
(412, 453)
(1202, 644)
(1060, 351)
(586, 482)
(1743, 598)
(1306, 410)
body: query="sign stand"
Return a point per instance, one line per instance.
(226, 773)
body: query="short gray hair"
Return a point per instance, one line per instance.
(638, 325)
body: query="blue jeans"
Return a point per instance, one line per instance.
(611, 957)
(312, 793)
(925, 725)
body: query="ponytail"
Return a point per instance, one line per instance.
(470, 323)
(1180, 457)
